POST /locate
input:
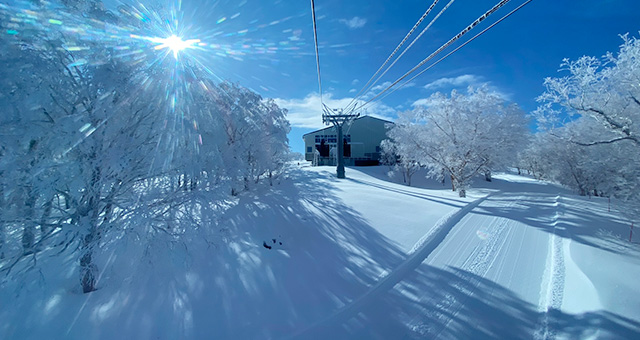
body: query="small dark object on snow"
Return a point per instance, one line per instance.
(274, 240)
(266, 245)
(280, 243)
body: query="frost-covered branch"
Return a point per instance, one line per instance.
(462, 134)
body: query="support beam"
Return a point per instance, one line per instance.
(338, 120)
(340, 144)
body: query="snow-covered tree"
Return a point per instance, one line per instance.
(600, 169)
(87, 140)
(595, 111)
(464, 134)
(402, 160)
(606, 89)
(254, 130)
(95, 144)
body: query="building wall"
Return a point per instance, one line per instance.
(364, 136)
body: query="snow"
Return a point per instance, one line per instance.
(362, 257)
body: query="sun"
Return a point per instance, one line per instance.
(175, 44)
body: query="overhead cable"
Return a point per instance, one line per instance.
(412, 43)
(455, 50)
(426, 13)
(441, 48)
(315, 40)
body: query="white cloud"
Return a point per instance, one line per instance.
(463, 80)
(506, 96)
(355, 22)
(411, 84)
(421, 102)
(355, 81)
(353, 91)
(380, 87)
(307, 112)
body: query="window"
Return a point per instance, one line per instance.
(332, 139)
(309, 149)
(377, 148)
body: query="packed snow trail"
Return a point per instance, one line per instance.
(485, 244)
(552, 286)
(498, 271)
(478, 239)
(478, 262)
(424, 247)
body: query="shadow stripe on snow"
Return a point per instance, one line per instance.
(420, 251)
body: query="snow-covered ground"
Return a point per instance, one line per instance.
(359, 258)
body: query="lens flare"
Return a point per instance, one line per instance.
(174, 43)
(482, 235)
(144, 36)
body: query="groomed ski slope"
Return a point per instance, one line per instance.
(359, 258)
(506, 269)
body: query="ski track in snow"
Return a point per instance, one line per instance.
(477, 263)
(423, 248)
(552, 287)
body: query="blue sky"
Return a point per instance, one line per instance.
(267, 45)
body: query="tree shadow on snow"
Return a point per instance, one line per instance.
(419, 180)
(579, 218)
(457, 203)
(432, 303)
(320, 256)
(573, 217)
(297, 254)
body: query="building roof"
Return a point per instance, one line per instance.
(331, 127)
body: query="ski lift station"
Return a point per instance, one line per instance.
(362, 140)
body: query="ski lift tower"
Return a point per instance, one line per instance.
(338, 118)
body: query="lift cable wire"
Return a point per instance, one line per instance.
(452, 52)
(315, 39)
(412, 43)
(440, 49)
(426, 13)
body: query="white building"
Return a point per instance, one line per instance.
(362, 142)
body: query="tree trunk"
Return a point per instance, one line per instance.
(2, 204)
(28, 235)
(487, 175)
(453, 184)
(88, 270)
(1, 241)
(91, 202)
(45, 217)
